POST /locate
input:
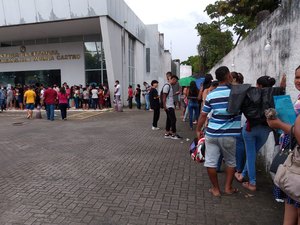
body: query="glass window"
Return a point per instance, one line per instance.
(95, 65)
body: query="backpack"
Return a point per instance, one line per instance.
(161, 95)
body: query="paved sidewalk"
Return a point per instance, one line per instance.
(112, 169)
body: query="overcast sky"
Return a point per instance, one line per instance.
(176, 19)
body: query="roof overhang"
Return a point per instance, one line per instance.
(63, 28)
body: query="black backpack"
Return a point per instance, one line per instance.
(161, 95)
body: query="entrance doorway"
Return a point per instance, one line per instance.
(46, 77)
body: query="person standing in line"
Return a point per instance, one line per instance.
(9, 98)
(50, 96)
(101, 97)
(85, 100)
(137, 95)
(146, 95)
(154, 103)
(29, 101)
(193, 105)
(169, 107)
(94, 93)
(130, 96)
(221, 133)
(118, 101)
(63, 102)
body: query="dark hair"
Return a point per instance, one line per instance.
(138, 86)
(266, 81)
(130, 86)
(62, 90)
(154, 82)
(214, 83)
(117, 81)
(238, 77)
(221, 73)
(241, 78)
(207, 81)
(297, 68)
(174, 76)
(193, 90)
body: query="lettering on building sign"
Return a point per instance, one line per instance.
(36, 56)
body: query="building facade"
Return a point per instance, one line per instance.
(78, 42)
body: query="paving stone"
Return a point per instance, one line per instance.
(112, 169)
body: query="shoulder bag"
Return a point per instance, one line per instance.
(287, 177)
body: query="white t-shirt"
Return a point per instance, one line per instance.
(94, 93)
(169, 100)
(119, 90)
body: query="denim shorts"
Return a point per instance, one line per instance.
(30, 106)
(215, 146)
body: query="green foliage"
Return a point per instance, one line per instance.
(193, 61)
(214, 44)
(239, 14)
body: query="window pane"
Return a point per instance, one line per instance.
(93, 77)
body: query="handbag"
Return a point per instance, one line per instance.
(282, 155)
(287, 177)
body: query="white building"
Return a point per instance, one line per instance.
(78, 42)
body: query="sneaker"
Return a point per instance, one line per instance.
(155, 128)
(167, 136)
(175, 137)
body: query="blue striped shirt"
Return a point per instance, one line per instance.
(221, 123)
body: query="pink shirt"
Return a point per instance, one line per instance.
(62, 98)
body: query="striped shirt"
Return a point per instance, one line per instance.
(221, 122)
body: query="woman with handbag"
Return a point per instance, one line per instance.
(292, 205)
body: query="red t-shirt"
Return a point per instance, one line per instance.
(50, 96)
(130, 92)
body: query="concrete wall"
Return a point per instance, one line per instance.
(251, 59)
(72, 71)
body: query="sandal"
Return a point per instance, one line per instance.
(239, 177)
(211, 190)
(249, 186)
(232, 191)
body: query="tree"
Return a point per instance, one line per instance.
(193, 61)
(214, 44)
(239, 14)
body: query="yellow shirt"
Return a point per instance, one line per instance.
(30, 97)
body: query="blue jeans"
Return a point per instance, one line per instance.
(147, 99)
(240, 153)
(138, 102)
(50, 111)
(94, 103)
(193, 107)
(254, 140)
(76, 100)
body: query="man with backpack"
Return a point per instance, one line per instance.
(221, 132)
(169, 107)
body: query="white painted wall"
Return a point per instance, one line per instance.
(250, 58)
(72, 71)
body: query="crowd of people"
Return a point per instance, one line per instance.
(233, 135)
(54, 97)
(230, 138)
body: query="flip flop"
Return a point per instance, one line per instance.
(248, 186)
(233, 191)
(238, 177)
(215, 195)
